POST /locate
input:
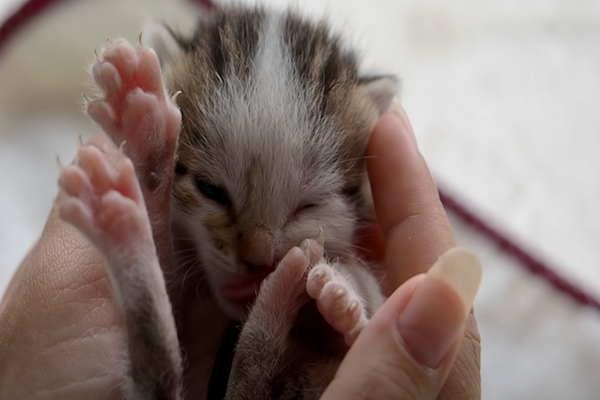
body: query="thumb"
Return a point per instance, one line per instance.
(409, 346)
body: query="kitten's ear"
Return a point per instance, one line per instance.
(381, 90)
(166, 44)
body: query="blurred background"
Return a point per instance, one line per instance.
(503, 97)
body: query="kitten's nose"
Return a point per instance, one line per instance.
(256, 250)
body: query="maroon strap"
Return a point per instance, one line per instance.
(21, 17)
(33, 7)
(524, 257)
(205, 3)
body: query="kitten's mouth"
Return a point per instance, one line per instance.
(242, 291)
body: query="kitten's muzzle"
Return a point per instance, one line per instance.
(256, 250)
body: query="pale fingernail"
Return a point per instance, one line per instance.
(435, 314)
(398, 110)
(460, 269)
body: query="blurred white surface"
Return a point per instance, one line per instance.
(502, 96)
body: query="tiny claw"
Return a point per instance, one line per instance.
(108, 39)
(139, 39)
(59, 164)
(175, 96)
(321, 237)
(96, 54)
(122, 147)
(79, 142)
(86, 99)
(353, 306)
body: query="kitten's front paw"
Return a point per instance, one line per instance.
(337, 300)
(134, 106)
(104, 201)
(284, 290)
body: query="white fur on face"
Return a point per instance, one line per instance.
(277, 117)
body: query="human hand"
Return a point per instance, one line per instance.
(61, 332)
(408, 349)
(61, 335)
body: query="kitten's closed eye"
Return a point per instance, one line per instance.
(213, 192)
(303, 207)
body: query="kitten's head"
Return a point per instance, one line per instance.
(276, 122)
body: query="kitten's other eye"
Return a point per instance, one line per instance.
(304, 207)
(213, 192)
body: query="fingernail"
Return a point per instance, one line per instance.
(434, 316)
(460, 269)
(398, 110)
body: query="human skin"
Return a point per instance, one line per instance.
(61, 335)
(410, 236)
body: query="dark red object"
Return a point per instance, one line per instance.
(21, 17)
(524, 257)
(34, 7)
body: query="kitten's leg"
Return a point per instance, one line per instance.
(104, 201)
(347, 295)
(134, 108)
(265, 335)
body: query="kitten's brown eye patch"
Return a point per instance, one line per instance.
(213, 192)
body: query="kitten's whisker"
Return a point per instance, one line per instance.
(189, 271)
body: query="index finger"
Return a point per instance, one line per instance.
(411, 216)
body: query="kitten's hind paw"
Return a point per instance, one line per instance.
(134, 106)
(103, 200)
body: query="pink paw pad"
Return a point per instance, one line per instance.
(103, 200)
(134, 106)
(284, 290)
(337, 300)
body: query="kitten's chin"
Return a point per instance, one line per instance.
(238, 310)
(236, 297)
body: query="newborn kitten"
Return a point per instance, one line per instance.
(275, 121)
